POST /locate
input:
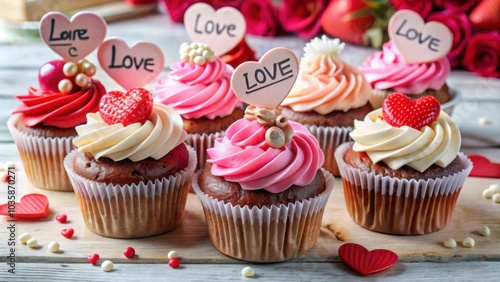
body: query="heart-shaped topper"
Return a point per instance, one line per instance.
(130, 67)
(72, 39)
(419, 42)
(267, 82)
(30, 206)
(399, 110)
(366, 262)
(221, 30)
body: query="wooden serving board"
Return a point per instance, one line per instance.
(193, 244)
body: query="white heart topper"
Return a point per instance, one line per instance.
(267, 82)
(221, 30)
(130, 67)
(72, 39)
(417, 41)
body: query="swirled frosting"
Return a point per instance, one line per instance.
(437, 144)
(244, 156)
(387, 69)
(326, 83)
(63, 110)
(196, 91)
(239, 54)
(161, 133)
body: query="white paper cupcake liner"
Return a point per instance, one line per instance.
(135, 210)
(267, 234)
(400, 206)
(200, 143)
(42, 158)
(329, 139)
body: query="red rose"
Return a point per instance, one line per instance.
(217, 4)
(261, 17)
(177, 8)
(482, 54)
(423, 8)
(302, 17)
(462, 5)
(459, 25)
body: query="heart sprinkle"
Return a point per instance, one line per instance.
(62, 218)
(174, 263)
(119, 107)
(129, 252)
(68, 232)
(93, 258)
(366, 262)
(399, 110)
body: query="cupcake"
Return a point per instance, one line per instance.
(403, 172)
(262, 191)
(328, 96)
(132, 170)
(43, 126)
(388, 72)
(198, 88)
(239, 54)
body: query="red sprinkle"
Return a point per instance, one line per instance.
(129, 252)
(5, 176)
(174, 263)
(62, 218)
(93, 259)
(68, 232)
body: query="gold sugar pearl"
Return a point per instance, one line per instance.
(65, 86)
(82, 80)
(275, 137)
(70, 69)
(89, 69)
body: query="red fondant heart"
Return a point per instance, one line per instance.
(93, 259)
(67, 232)
(62, 218)
(30, 206)
(484, 167)
(366, 262)
(399, 110)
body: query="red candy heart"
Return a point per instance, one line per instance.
(483, 167)
(30, 206)
(126, 108)
(399, 110)
(68, 232)
(93, 259)
(174, 263)
(61, 218)
(129, 252)
(366, 262)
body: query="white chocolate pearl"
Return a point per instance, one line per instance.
(54, 247)
(65, 86)
(172, 254)
(199, 60)
(247, 272)
(275, 137)
(496, 198)
(89, 69)
(468, 242)
(495, 187)
(450, 243)
(32, 243)
(23, 239)
(82, 80)
(194, 45)
(483, 121)
(9, 165)
(484, 230)
(107, 265)
(488, 193)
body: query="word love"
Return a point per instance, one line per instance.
(209, 27)
(412, 34)
(130, 61)
(65, 35)
(265, 77)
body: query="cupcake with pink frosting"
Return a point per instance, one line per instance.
(198, 87)
(263, 191)
(387, 72)
(328, 95)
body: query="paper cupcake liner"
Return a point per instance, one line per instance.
(42, 158)
(135, 210)
(400, 206)
(264, 234)
(329, 139)
(200, 143)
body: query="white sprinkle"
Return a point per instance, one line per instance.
(32, 243)
(495, 187)
(450, 243)
(23, 239)
(9, 165)
(247, 272)
(107, 265)
(484, 230)
(483, 121)
(468, 242)
(488, 193)
(496, 198)
(172, 254)
(54, 247)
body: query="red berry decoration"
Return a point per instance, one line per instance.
(93, 259)
(50, 74)
(126, 108)
(62, 218)
(129, 252)
(68, 232)
(398, 110)
(174, 263)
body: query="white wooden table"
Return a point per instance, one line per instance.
(421, 257)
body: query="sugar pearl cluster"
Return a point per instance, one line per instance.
(196, 53)
(492, 192)
(81, 70)
(279, 131)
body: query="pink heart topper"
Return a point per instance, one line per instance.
(221, 30)
(366, 262)
(72, 39)
(267, 82)
(419, 42)
(130, 67)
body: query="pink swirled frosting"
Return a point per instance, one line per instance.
(387, 69)
(63, 110)
(244, 156)
(196, 91)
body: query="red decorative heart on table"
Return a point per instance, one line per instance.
(483, 167)
(126, 108)
(366, 262)
(68, 232)
(399, 110)
(93, 258)
(62, 218)
(30, 206)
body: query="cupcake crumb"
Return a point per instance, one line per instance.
(450, 243)
(484, 230)
(468, 242)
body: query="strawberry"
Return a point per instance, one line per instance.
(126, 108)
(398, 110)
(485, 15)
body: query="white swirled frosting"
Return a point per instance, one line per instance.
(437, 144)
(162, 132)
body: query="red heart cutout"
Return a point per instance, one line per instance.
(366, 262)
(62, 218)
(93, 259)
(30, 206)
(484, 167)
(399, 110)
(68, 232)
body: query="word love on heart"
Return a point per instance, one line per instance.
(72, 39)
(419, 42)
(266, 83)
(221, 30)
(130, 67)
